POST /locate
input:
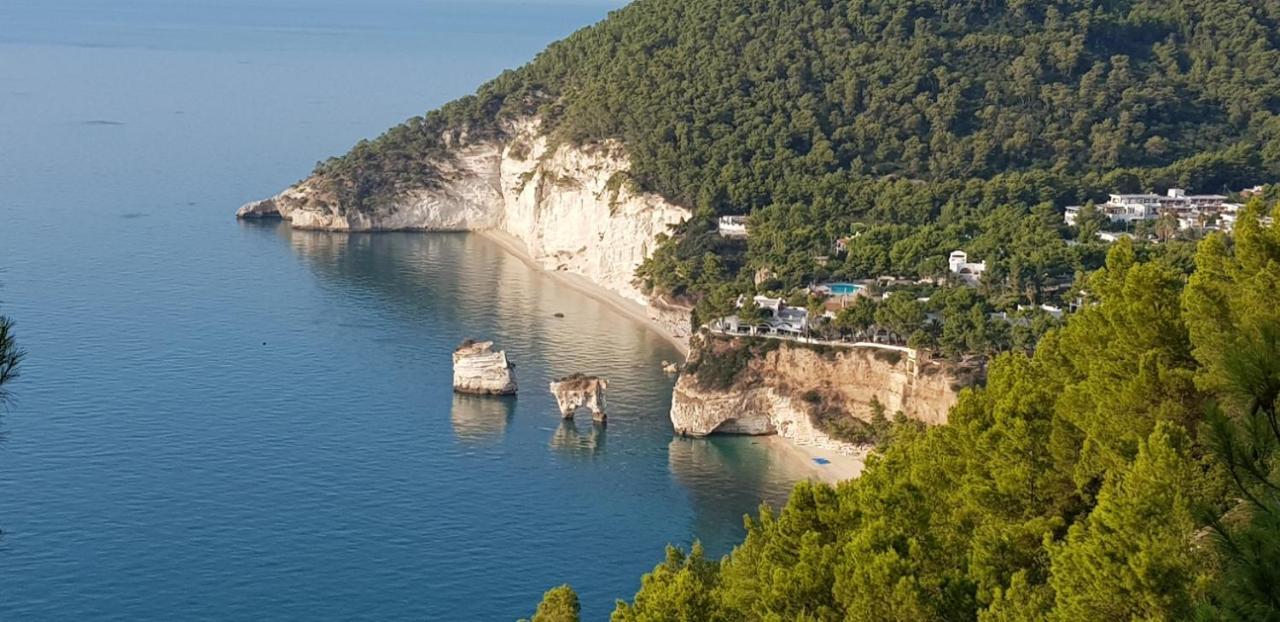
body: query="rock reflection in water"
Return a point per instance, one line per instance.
(569, 440)
(481, 420)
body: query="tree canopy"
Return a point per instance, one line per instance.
(1086, 481)
(910, 127)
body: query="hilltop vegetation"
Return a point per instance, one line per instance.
(738, 105)
(921, 125)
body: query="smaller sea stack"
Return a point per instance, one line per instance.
(479, 370)
(580, 391)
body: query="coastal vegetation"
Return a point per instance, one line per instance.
(1119, 463)
(1127, 469)
(908, 128)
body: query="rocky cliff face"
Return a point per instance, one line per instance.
(579, 391)
(478, 370)
(574, 207)
(788, 389)
(673, 318)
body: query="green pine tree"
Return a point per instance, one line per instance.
(10, 356)
(1132, 558)
(559, 604)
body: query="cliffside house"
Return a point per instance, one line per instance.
(733, 226)
(780, 319)
(968, 272)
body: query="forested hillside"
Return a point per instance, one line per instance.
(1124, 469)
(741, 104)
(797, 110)
(1127, 470)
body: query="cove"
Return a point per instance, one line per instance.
(236, 421)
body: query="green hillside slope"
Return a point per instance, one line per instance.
(917, 118)
(740, 104)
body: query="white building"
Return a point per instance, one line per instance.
(1193, 211)
(780, 319)
(967, 271)
(1072, 215)
(733, 226)
(1112, 237)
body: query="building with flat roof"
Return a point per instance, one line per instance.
(965, 270)
(733, 226)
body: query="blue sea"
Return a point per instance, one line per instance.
(236, 421)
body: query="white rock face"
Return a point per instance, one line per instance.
(756, 411)
(478, 370)
(572, 206)
(765, 398)
(580, 391)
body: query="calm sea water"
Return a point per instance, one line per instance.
(233, 421)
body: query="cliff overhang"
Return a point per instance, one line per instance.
(803, 392)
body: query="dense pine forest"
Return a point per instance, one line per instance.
(1121, 465)
(1127, 470)
(920, 125)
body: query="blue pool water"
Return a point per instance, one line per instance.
(236, 421)
(843, 289)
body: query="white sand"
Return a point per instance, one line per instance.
(840, 467)
(629, 308)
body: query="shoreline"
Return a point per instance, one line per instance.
(631, 309)
(840, 467)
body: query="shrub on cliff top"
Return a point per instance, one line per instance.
(720, 361)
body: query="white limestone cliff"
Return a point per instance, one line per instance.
(772, 394)
(579, 391)
(479, 370)
(574, 207)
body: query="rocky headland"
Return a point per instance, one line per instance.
(816, 397)
(479, 370)
(574, 208)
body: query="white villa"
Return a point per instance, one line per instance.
(780, 319)
(967, 271)
(733, 226)
(1193, 211)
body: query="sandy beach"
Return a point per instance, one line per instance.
(839, 466)
(627, 307)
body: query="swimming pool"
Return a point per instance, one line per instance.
(843, 289)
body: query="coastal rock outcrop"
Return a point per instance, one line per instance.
(575, 208)
(675, 319)
(791, 390)
(580, 391)
(479, 370)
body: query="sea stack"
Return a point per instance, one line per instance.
(479, 370)
(580, 391)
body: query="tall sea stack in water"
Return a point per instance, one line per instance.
(479, 370)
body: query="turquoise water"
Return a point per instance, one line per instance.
(236, 421)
